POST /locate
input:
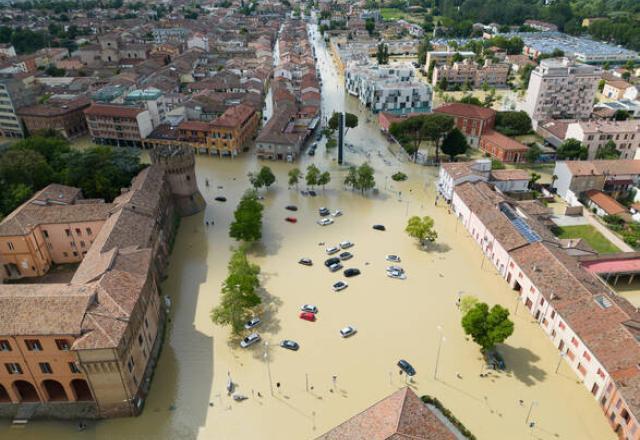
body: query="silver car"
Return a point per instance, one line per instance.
(348, 331)
(250, 340)
(309, 308)
(392, 258)
(332, 250)
(340, 285)
(335, 267)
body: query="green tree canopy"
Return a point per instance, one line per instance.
(238, 299)
(455, 143)
(312, 176)
(350, 121)
(533, 153)
(608, 151)
(247, 223)
(572, 149)
(294, 177)
(264, 177)
(436, 126)
(487, 327)
(513, 123)
(324, 178)
(421, 229)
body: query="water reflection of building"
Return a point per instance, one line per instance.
(91, 342)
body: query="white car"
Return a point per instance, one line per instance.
(397, 275)
(340, 285)
(325, 221)
(337, 213)
(348, 331)
(395, 269)
(335, 267)
(332, 250)
(253, 322)
(345, 244)
(309, 308)
(250, 340)
(392, 258)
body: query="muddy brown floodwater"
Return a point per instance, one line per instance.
(395, 319)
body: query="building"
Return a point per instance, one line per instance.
(615, 89)
(152, 100)
(595, 134)
(542, 26)
(118, 125)
(278, 139)
(559, 89)
(470, 73)
(442, 57)
(87, 348)
(593, 328)
(391, 89)
(472, 120)
(63, 114)
(398, 416)
(14, 93)
(233, 131)
(503, 147)
(602, 204)
(452, 174)
(614, 177)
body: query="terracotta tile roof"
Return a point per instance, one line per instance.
(466, 110)
(458, 170)
(43, 309)
(55, 107)
(402, 415)
(113, 111)
(598, 167)
(234, 116)
(513, 174)
(194, 126)
(608, 204)
(503, 142)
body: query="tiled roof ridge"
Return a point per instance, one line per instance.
(90, 316)
(404, 401)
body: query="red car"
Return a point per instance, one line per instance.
(308, 316)
(291, 219)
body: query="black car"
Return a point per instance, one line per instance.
(331, 261)
(291, 208)
(351, 272)
(305, 261)
(379, 227)
(290, 345)
(312, 193)
(323, 211)
(220, 199)
(406, 367)
(312, 152)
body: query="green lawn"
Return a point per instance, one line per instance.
(392, 14)
(587, 232)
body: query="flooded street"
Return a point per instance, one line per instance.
(395, 319)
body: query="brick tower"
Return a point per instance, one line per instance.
(179, 166)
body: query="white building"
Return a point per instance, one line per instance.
(595, 134)
(560, 88)
(440, 57)
(388, 88)
(199, 40)
(151, 99)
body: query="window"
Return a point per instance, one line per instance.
(73, 244)
(89, 231)
(4, 345)
(140, 340)
(46, 234)
(574, 341)
(146, 323)
(75, 254)
(618, 403)
(74, 368)
(45, 368)
(13, 368)
(131, 364)
(82, 243)
(10, 245)
(600, 373)
(553, 314)
(62, 344)
(561, 325)
(67, 232)
(78, 231)
(33, 344)
(586, 355)
(65, 254)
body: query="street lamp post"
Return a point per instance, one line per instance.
(442, 339)
(533, 402)
(266, 357)
(559, 362)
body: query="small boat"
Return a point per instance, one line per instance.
(239, 397)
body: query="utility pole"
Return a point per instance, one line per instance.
(266, 357)
(442, 338)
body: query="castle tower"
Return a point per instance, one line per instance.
(179, 166)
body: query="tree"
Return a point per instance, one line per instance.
(533, 179)
(25, 167)
(608, 151)
(294, 177)
(525, 75)
(621, 115)
(424, 47)
(410, 133)
(324, 179)
(467, 303)
(487, 327)
(468, 98)
(247, 223)
(436, 126)
(370, 25)
(455, 143)
(365, 179)
(313, 173)
(351, 177)
(238, 296)
(382, 53)
(572, 149)
(266, 176)
(533, 153)
(350, 121)
(513, 123)
(422, 229)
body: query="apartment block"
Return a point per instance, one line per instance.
(595, 134)
(468, 72)
(472, 120)
(14, 93)
(561, 89)
(62, 114)
(118, 125)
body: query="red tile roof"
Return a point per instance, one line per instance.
(113, 111)
(234, 116)
(608, 204)
(503, 142)
(194, 126)
(466, 110)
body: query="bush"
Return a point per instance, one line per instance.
(449, 415)
(497, 164)
(613, 220)
(399, 176)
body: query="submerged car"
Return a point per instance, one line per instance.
(340, 285)
(309, 308)
(406, 367)
(347, 331)
(337, 213)
(305, 261)
(331, 261)
(335, 267)
(308, 316)
(392, 258)
(323, 211)
(250, 340)
(351, 272)
(397, 275)
(346, 244)
(253, 322)
(325, 221)
(332, 250)
(291, 208)
(345, 256)
(220, 199)
(290, 345)
(379, 227)
(291, 220)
